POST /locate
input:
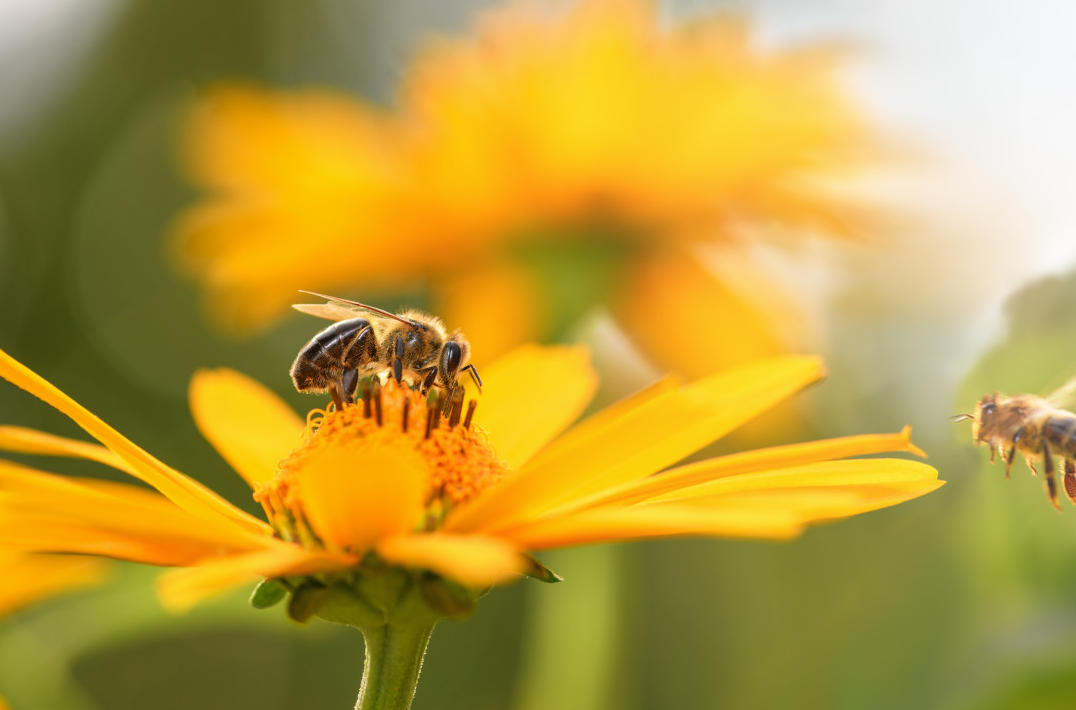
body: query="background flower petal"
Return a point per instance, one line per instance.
(730, 321)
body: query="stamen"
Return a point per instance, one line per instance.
(470, 413)
(377, 403)
(406, 414)
(431, 414)
(366, 399)
(456, 410)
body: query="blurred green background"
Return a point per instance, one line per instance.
(964, 599)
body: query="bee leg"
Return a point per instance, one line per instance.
(1012, 451)
(1051, 483)
(334, 390)
(1070, 480)
(427, 381)
(348, 383)
(397, 361)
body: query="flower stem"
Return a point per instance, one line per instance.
(393, 660)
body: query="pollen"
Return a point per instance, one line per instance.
(460, 461)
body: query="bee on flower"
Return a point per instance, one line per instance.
(391, 514)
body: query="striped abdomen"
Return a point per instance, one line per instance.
(345, 345)
(1059, 431)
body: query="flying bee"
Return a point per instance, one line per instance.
(1036, 427)
(414, 346)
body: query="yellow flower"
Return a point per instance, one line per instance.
(591, 139)
(463, 493)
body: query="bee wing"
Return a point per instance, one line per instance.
(1064, 396)
(342, 309)
(328, 311)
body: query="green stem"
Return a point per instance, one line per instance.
(393, 661)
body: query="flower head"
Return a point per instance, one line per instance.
(443, 490)
(560, 161)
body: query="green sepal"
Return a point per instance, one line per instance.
(446, 597)
(536, 570)
(306, 600)
(268, 593)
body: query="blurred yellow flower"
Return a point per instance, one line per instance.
(548, 164)
(460, 496)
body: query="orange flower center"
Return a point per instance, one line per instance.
(460, 461)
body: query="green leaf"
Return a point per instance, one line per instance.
(268, 593)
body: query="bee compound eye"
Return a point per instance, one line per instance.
(451, 358)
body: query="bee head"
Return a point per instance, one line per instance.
(985, 418)
(454, 355)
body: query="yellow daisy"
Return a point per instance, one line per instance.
(394, 512)
(558, 160)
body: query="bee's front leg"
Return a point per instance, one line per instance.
(1012, 451)
(428, 380)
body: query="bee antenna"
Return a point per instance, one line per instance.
(475, 377)
(961, 417)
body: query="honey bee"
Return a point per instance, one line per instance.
(414, 346)
(1036, 427)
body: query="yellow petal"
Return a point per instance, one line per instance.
(358, 493)
(181, 589)
(531, 395)
(618, 524)
(251, 427)
(31, 441)
(868, 473)
(639, 443)
(42, 512)
(471, 560)
(691, 479)
(29, 577)
(186, 492)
